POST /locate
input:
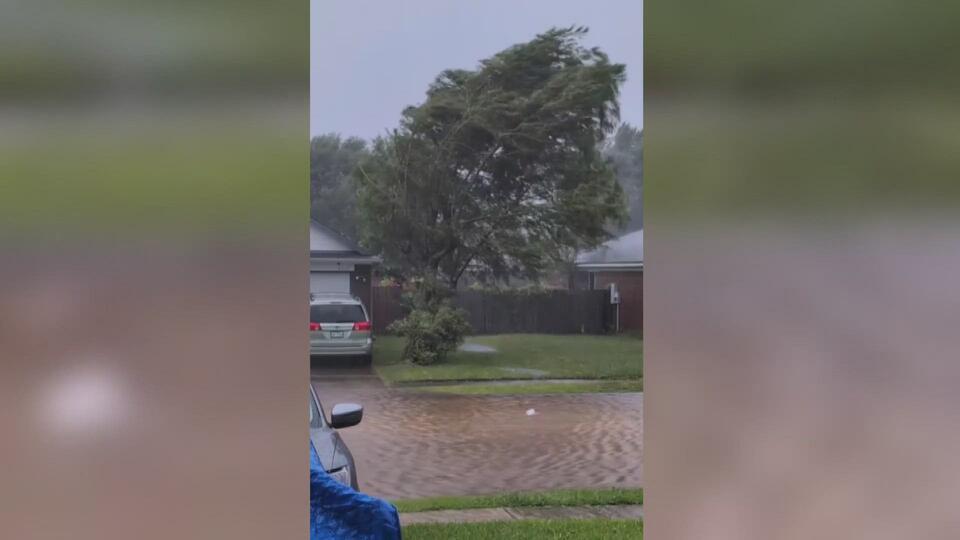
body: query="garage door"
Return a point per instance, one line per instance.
(330, 282)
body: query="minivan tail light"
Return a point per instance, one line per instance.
(363, 326)
(314, 326)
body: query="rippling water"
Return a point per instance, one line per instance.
(414, 444)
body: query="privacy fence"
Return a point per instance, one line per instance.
(548, 312)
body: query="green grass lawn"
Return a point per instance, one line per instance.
(559, 497)
(573, 387)
(520, 356)
(587, 529)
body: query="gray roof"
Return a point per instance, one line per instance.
(622, 252)
(325, 243)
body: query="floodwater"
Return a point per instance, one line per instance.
(415, 444)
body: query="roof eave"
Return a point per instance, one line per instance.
(611, 266)
(346, 259)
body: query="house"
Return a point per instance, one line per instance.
(618, 262)
(337, 265)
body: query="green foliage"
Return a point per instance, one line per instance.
(427, 294)
(333, 200)
(431, 334)
(500, 167)
(625, 152)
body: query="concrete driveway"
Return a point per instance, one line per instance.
(416, 444)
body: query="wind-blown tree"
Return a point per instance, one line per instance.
(333, 200)
(625, 150)
(501, 167)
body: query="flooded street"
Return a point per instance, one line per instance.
(416, 444)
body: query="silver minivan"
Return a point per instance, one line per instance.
(340, 326)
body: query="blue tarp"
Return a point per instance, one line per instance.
(338, 512)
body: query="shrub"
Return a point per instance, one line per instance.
(431, 334)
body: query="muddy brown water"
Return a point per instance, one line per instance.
(416, 444)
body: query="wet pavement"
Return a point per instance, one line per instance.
(415, 444)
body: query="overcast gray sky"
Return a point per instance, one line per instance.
(371, 58)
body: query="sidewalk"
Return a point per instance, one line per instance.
(613, 511)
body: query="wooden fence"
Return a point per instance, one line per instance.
(386, 307)
(550, 312)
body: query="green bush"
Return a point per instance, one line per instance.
(431, 334)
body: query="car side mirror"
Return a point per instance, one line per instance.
(345, 415)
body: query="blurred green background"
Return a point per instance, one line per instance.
(176, 117)
(759, 108)
(153, 264)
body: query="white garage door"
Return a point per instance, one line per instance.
(330, 282)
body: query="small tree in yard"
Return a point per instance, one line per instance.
(500, 167)
(431, 333)
(434, 327)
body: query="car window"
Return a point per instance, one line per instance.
(337, 313)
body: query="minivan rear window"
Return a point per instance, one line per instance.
(337, 313)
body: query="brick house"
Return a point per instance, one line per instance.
(618, 262)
